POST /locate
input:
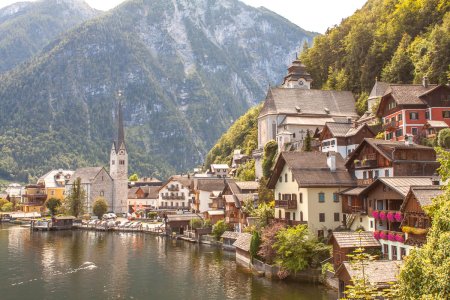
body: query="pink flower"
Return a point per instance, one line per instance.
(390, 216)
(399, 238)
(376, 214)
(383, 235)
(391, 237)
(398, 216)
(376, 234)
(382, 215)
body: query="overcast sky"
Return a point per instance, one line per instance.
(313, 15)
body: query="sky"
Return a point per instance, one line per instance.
(312, 15)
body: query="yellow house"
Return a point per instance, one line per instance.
(306, 187)
(55, 182)
(34, 198)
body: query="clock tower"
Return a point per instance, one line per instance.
(297, 76)
(118, 167)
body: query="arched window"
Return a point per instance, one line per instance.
(279, 196)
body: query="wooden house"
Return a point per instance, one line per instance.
(242, 245)
(378, 273)
(178, 223)
(345, 242)
(228, 239)
(416, 222)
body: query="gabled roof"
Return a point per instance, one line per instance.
(378, 90)
(295, 101)
(436, 124)
(87, 175)
(352, 239)
(400, 184)
(150, 192)
(209, 184)
(230, 235)
(408, 93)
(353, 191)
(49, 179)
(247, 185)
(423, 194)
(243, 242)
(384, 147)
(345, 129)
(378, 272)
(186, 181)
(311, 169)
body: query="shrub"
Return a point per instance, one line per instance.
(196, 223)
(100, 207)
(7, 207)
(219, 228)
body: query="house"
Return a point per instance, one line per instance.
(384, 199)
(175, 193)
(307, 186)
(34, 198)
(219, 170)
(239, 158)
(147, 181)
(143, 197)
(375, 158)
(235, 193)
(178, 223)
(292, 109)
(242, 246)
(379, 273)
(96, 182)
(378, 91)
(54, 182)
(432, 128)
(228, 239)
(405, 108)
(416, 222)
(343, 138)
(14, 193)
(345, 242)
(204, 189)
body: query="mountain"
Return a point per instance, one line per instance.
(186, 70)
(398, 41)
(27, 27)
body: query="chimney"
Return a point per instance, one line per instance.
(435, 180)
(425, 81)
(331, 161)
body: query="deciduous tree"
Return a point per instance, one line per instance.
(53, 205)
(100, 207)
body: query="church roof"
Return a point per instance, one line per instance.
(301, 102)
(120, 131)
(296, 71)
(378, 90)
(87, 175)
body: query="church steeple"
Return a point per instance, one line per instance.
(120, 131)
(297, 76)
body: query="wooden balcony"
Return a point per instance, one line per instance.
(173, 189)
(286, 204)
(366, 181)
(365, 163)
(169, 197)
(353, 209)
(390, 126)
(290, 222)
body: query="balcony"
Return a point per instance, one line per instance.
(387, 235)
(391, 216)
(365, 163)
(169, 197)
(33, 197)
(390, 126)
(353, 209)
(290, 222)
(366, 181)
(173, 188)
(287, 204)
(175, 207)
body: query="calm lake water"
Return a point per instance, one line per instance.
(99, 265)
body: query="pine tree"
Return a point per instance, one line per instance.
(75, 200)
(307, 142)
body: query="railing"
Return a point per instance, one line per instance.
(172, 197)
(288, 204)
(353, 209)
(394, 236)
(174, 207)
(390, 126)
(365, 163)
(290, 222)
(173, 189)
(389, 215)
(366, 181)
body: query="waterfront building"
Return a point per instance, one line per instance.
(34, 198)
(205, 190)
(14, 193)
(176, 193)
(54, 182)
(96, 182)
(292, 109)
(228, 239)
(345, 242)
(242, 246)
(344, 137)
(219, 170)
(384, 199)
(307, 186)
(405, 108)
(143, 198)
(380, 273)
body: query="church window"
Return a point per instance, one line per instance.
(274, 130)
(121, 162)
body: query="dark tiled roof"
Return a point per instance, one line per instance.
(287, 100)
(209, 184)
(355, 239)
(408, 93)
(339, 129)
(86, 174)
(311, 169)
(378, 272)
(230, 235)
(132, 192)
(425, 194)
(379, 89)
(243, 241)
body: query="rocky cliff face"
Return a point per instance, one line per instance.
(186, 70)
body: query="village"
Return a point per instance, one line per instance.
(355, 182)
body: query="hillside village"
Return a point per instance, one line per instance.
(334, 171)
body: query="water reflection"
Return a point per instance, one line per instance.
(99, 265)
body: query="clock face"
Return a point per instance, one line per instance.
(121, 152)
(300, 82)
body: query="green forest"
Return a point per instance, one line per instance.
(397, 41)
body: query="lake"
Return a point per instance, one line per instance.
(112, 265)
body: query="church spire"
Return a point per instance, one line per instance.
(120, 131)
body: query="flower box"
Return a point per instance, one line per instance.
(390, 216)
(398, 216)
(382, 215)
(376, 234)
(406, 229)
(391, 236)
(383, 235)
(399, 238)
(376, 214)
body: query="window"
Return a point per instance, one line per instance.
(413, 115)
(294, 197)
(371, 224)
(399, 117)
(336, 217)
(285, 177)
(280, 179)
(386, 173)
(321, 217)
(121, 162)
(394, 252)
(293, 177)
(364, 175)
(301, 198)
(377, 174)
(380, 205)
(446, 114)
(52, 192)
(293, 216)
(402, 252)
(301, 216)
(279, 214)
(335, 197)
(279, 196)
(414, 130)
(427, 115)
(386, 251)
(399, 132)
(274, 130)
(321, 197)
